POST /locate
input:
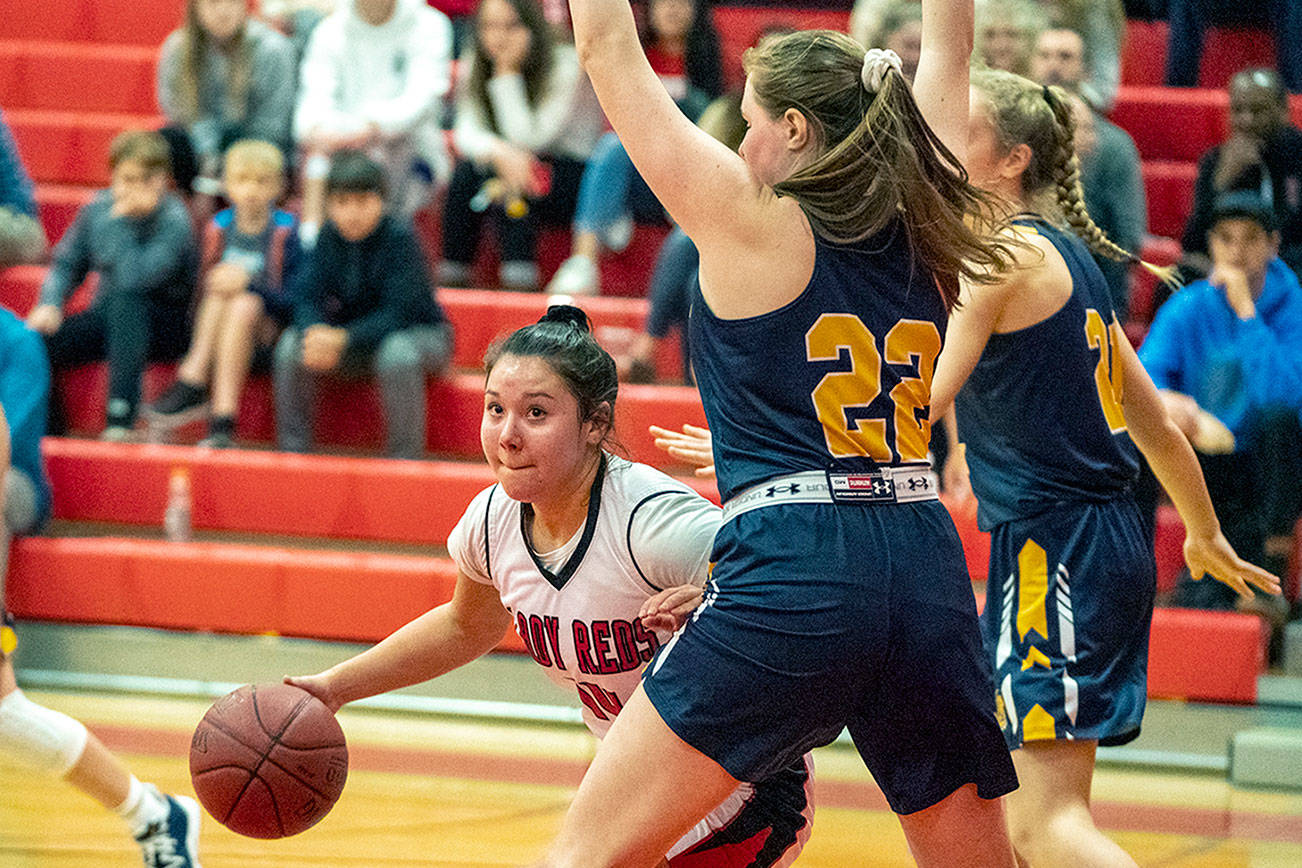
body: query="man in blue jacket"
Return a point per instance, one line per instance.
(1230, 346)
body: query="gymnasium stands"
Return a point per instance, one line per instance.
(292, 542)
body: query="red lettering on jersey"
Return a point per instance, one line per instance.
(601, 648)
(647, 639)
(583, 648)
(538, 643)
(625, 647)
(553, 626)
(522, 630)
(599, 701)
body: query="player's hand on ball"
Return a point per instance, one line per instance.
(693, 445)
(1215, 556)
(319, 686)
(668, 610)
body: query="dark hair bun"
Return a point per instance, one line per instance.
(570, 315)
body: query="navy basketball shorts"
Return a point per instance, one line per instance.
(820, 617)
(768, 830)
(1068, 608)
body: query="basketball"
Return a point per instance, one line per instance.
(268, 760)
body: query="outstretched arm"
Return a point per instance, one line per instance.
(1173, 461)
(462, 629)
(941, 84)
(700, 182)
(970, 327)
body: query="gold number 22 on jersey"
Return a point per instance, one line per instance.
(909, 342)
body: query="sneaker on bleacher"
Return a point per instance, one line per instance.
(181, 403)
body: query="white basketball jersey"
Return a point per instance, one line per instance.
(576, 608)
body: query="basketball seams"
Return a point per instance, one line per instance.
(265, 756)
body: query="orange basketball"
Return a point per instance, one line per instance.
(268, 760)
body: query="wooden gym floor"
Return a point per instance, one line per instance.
(425, 791)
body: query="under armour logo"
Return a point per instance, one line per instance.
(775, 490)
(919, 482)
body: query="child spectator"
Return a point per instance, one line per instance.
(363, 304)
(249, 254)
(373, 79)
(21, 237)
(527, 120)
(223, 76)
(683, 48)
(137, 237)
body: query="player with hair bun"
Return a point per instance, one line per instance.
(1055, 403)
(594, 559)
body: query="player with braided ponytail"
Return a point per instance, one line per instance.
(1054, 404)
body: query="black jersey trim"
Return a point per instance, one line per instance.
(488, 532)
(628, 536)
(559, 580)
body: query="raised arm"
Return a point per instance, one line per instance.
(1176, 467)
(699, 181)
(970, 327)
(941, 84)
(466, 627)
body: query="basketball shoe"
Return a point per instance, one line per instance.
(173, 842)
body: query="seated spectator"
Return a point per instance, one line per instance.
(21, 238)
(683, 48)
(868, 20)
(526, 123)
(1263, 154)
(1005, 33)
(363, 304)
(1101, 25)
(249, 255)
(136, 236)
(47, 741)
(1109, 161)
(373, 79)
(1188, 22)
(223, 76)
(1230, 348)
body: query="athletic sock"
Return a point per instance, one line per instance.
(143, 806)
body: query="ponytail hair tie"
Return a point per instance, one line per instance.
(876, 63)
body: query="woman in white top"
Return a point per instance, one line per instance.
(526, 123)
(594, 559)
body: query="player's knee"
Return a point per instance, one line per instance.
(36, 736)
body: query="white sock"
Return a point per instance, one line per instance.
(143, 806)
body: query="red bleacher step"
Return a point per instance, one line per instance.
(410, 502)
(226, 588)
(124, 22)
(1210, 656)
(78, 76)
(70, 147)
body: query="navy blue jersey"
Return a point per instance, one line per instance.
(1041, 412)
(839, 379)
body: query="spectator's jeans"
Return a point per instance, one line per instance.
(518, 237)
(1189, 20)
(1256, 495)
(401, 364)
(128, 331)
(612, 188)
(670, 291)
(19, 516)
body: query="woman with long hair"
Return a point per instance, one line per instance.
(1054, 405)
(831, 248)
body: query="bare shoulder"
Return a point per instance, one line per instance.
(762, 261)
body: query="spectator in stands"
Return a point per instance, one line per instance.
(1263, 154)
(1102, 28)
(136, 236)
(21, 238)
(1006, 32)
(363, 304)
(901, 32)
(683, 48)
(868, 19)
(250, 252)
(1227, 353)
(1109, 160)
(224, 76)
(373, 79)
(526, 123)
(296, 18)
(1189, 20)
(166, 827)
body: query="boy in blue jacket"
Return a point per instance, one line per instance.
(1231, 346)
